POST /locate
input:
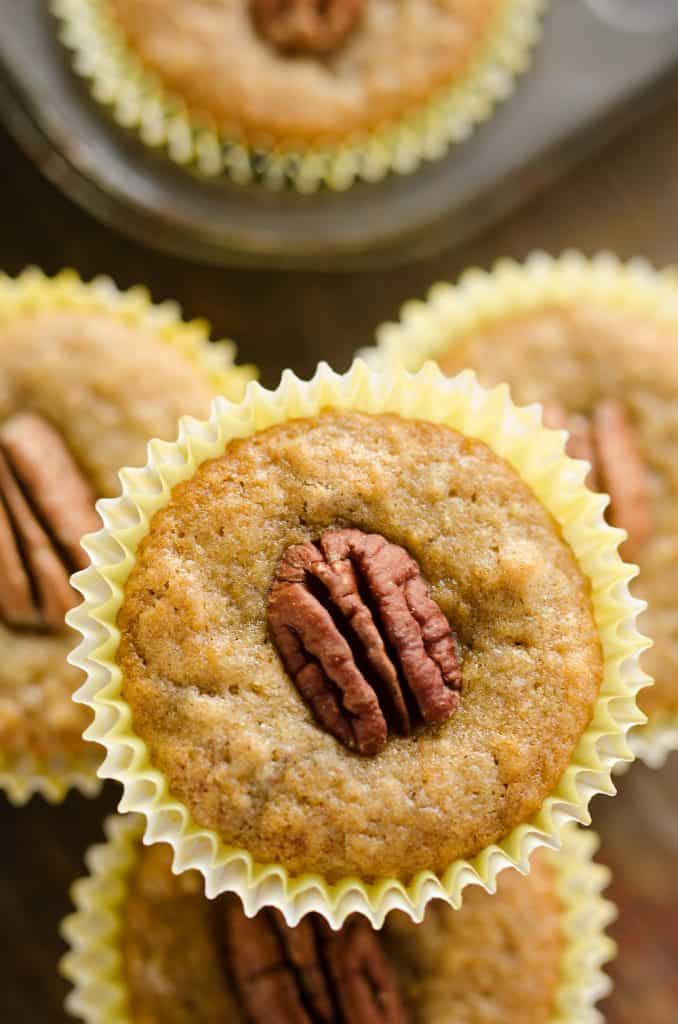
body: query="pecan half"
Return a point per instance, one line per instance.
(581, 443)
(357, 631)
(309, 974)
(317, 27)
(608, 442)
(46, 506)
(623, 474)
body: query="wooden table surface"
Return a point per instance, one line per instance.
(625, 199)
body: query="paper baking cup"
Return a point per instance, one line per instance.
(138, 101)
(481, 299)
(53, 777)
(33, 292)
(538, 456)
(94, 967)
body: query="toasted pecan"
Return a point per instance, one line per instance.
(46, 505)
(309, 974)
(365, 644)
(317, 27)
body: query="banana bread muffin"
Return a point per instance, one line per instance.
(146, 946)
(281, 71)
(188, 961)
(610, 376)
(300, 91)
(82, 389)
(358, 644)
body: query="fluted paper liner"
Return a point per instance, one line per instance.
(139, 101)
(34, 292)
(538, 456)
(426, 329)
(94, 962)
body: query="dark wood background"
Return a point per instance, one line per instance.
(624, 199)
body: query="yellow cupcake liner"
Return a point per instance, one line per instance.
(34, 292)
(538, 456)
(23, 777)
(452, 312)
(585, 917)
(94, 965)
(138, 101)
(652, 743)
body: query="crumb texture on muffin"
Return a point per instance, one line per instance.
(496, 959)
(225, 723)
(107, 386)
(582, 354)
(209, 53)
(171, 954)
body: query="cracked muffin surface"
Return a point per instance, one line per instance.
(579, 354)
(222, 718)
(495, 959)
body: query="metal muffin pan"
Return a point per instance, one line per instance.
(598, 66)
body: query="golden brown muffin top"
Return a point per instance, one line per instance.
(496, 959)
(223, 719)
(399, 53)
(581, 354)
(104, 386)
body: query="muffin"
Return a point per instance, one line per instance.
(301, 93)
(368, 630)
(87, 376)
(595, 341)
(530, 954)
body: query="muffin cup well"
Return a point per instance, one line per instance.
(536, 454)
(93, 964)
(138, 101)
(33, 292)
(480, 298)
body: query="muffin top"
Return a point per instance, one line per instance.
(585, 356)
(81, 393)
(435, 568)
(262, 69)
(496, 959)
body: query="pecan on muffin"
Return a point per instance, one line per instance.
(302, 91)
(358, 644)
(86, 379)
(530, 953)
(595, 341)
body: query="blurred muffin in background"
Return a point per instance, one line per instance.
(147, 946)
(87, 376)
(596, 342)
(298, 91)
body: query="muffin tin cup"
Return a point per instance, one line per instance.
(538, 456)
(138, 101)
(428, 328)
(93, 964)
(33, 292)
